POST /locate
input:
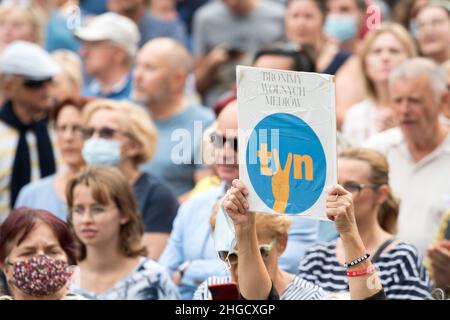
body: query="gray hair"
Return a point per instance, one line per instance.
(416, 67)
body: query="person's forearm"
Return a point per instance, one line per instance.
(361, 287)
(254, 280)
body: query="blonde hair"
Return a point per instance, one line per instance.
(108, 183)
(400, 33)
(71, 65)
(379, 175)
(139, 123)
(34, 16)
(269, 225)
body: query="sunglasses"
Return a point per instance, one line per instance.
(219, 141)
(36, 84)
(354, 187)
(231, 257)
(104, 133)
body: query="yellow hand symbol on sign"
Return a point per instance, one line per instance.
(280, 183)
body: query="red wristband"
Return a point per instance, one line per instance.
(361, 272)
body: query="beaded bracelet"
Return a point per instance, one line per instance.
(361, 272)
(357, 261)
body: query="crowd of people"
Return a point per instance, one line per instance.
(119, 165)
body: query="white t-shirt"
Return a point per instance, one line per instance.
(423, 187)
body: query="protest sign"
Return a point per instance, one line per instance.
(287, 139)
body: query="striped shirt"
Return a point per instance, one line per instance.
(9, 138)
(400, 269)
(297, 289)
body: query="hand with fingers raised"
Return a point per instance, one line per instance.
(280, 183)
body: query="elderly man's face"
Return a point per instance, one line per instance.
(416, 107)
(34, 95)
(97, 56)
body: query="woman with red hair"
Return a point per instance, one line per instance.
(37, 252)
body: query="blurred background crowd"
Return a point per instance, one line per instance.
(118, 137)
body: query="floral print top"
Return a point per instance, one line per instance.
(148, 281)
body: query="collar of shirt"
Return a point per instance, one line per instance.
(96, 88)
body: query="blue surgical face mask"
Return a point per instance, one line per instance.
(341, 27)
(224, 234)
(101, 152)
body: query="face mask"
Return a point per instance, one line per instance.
(101, 152)
(224, 235)
(340, 27)
(41, 276)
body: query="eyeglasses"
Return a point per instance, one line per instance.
(104, 132)
(36, 84)
(219, 141)
(231, 257)
(356, 188)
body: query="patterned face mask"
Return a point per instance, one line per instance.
(41, 275)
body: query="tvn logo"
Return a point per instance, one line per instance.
(300, 162)
(286, 163)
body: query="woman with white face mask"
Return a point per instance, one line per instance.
(122, 134)
(37, 252)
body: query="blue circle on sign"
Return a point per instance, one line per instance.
(299, 184)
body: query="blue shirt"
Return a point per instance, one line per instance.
(93, 7)
(121, 91)
(157, 203)
(178, 151)
(151, 27)
(192, 240)
(58, 35)
(42, 195)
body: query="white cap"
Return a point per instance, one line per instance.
(114, 27)
(29, 60)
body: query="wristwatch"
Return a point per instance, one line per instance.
(183, 267)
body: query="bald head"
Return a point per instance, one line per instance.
(227, 119)
(160, 74)
(175, 53)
